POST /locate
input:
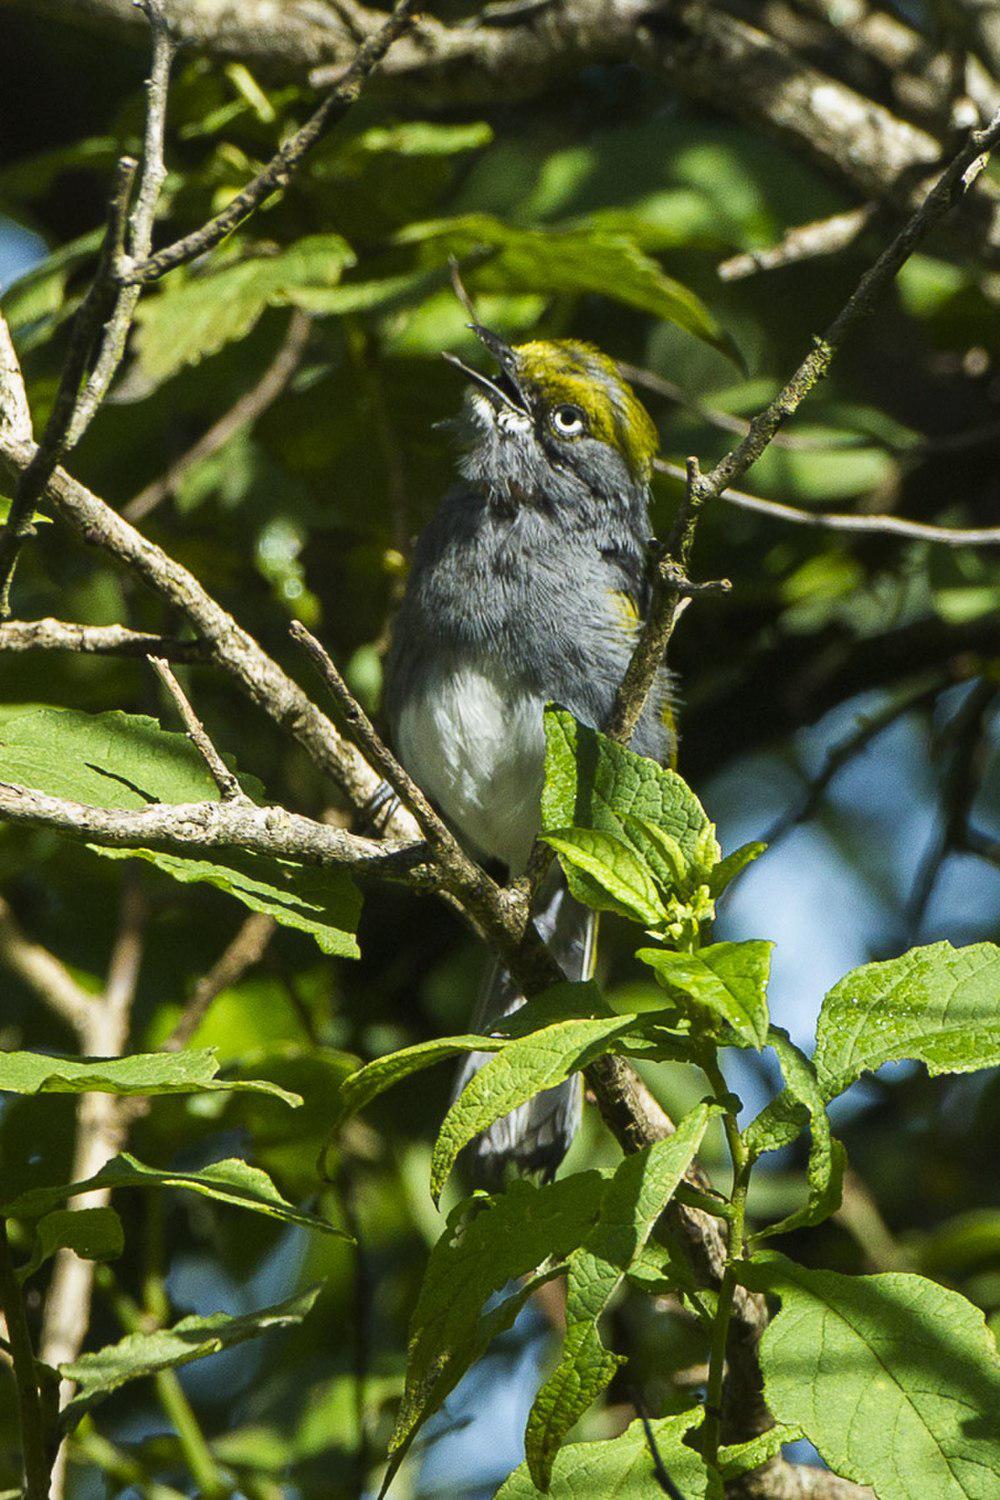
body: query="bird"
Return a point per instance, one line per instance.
(528, 586)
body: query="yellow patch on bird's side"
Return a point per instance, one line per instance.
(669, 721)
(570, 371)
(626, 609)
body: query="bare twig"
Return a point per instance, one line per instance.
(283, 164)
(654, 637)
(246, 949)
(868, 728)
(15, 414)
(812, 241)
(101, 325)
(48, 979)
(825, 520)
(244, 413)
(229, 788)
(94, 640)
(184, 828)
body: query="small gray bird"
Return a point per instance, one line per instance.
(527, 587)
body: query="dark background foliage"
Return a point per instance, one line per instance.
(308, 514)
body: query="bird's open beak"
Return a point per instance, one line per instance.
(508, 387)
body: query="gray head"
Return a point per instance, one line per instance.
(558, 426)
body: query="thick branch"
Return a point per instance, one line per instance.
(193, 827)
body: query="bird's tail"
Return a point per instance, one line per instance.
(535, 1137)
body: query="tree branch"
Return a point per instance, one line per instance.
(824, 520)
(244, 413)
(229, 788)
(190, 827)
(48, 979)
(94, 640)
(283, 164)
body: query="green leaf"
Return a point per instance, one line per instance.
(194, 318)
(616, 880)
(734, 864)
(525, 1067)
(894, 1379)
(781, 1121)
(119, 760)
(742, 1458)
(375, 1077)
(624, 1467)
(37, 520)
(591, 782)
(659, 850)
(142, 1354)
(146, 1073)
(488, 1243)
(582, 260)
(231, 1181)
(730, 979)
(91, 1233)
(936, 1005)
(634, 1199)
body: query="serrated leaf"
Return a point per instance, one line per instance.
(574, 260)
(936, 1005)
(659, 850)
(616, 879)
(781, 1121)
(119, 760)
(634, 1199)
(526, 1066)
(624, 1467)
(138, 1355)
(488, 1243)
(893, 1378)
(187, 321)
(374, 1078)
(730, 979)
(592, 782)
(91, 1233)
(742, 1458)
(231, 1181)
(144, 1073)
(726, 871)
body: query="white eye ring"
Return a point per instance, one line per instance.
(568, 421)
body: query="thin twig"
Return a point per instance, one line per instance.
(810, 241)
(869, 727)
(229, 788)
(140, 226)
(101, 325)
(654, 637)
(660, 1473)
(824, 520)
(246, 950)
(94, 640)
(34, 1438)
(279, 170)
(244, 413)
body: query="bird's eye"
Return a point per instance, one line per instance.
(568, 421)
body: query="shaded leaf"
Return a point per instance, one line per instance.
(232, 1181)
(194, 318)
(142, 1354)
(634, 1199)
(145, 1073)
(91, 1233)
(525, 1067)
(624, 1467)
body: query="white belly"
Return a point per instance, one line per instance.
(476, 744)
